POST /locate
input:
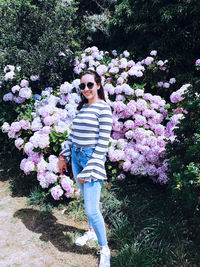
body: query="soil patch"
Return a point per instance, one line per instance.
(32, 238)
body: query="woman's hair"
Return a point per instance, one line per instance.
(97, 79)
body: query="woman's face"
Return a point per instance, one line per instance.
(91, 93)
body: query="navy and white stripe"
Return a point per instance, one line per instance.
(91, 128)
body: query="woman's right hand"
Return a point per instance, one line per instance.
(62, 166)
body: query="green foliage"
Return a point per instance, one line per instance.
(95, 16)
(56, 139)
(38, 197)
(76, 209)
(170, 27)
(32, 35)
(154, 230)
(184, 153)
(8, 110)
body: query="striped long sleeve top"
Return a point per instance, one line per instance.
(91, 128)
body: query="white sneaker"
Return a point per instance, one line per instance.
(104, 257)
(82, 240)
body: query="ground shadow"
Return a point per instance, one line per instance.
(46, 224)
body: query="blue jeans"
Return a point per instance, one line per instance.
(90, 191)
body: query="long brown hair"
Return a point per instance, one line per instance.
(97, 79)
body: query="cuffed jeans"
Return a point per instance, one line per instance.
(90, 191)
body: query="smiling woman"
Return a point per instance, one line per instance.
(91, 88)
(87, 146)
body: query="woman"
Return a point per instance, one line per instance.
(87, 145)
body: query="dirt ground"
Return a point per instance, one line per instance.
(32, 238)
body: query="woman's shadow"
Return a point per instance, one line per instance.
(45, 223)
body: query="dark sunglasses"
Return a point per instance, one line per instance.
(89, 85)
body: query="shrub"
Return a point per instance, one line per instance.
(40, 36)
(184, 152)
(171, 27)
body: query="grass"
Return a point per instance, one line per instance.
(152, 229)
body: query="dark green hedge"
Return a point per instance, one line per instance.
(33, 32)
(172, 27)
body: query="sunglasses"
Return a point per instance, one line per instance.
(89, 85)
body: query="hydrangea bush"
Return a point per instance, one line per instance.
(41, 131)
(142, 123)
(184, 151)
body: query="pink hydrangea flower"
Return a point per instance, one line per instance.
(139, 92)
(24, 83)
(115, 155)
(120, 80)
(141, 104)
(166, 85)
(118, 106)
(140, 120)
(126, 53)
(127, 89)
(129, 124)
(36, 124)
(53, 166)
(160, 63)
(24, 124)
(121, 176)
(152, 170)
(127, 165)
(18, 143)
(29, 166)
(159, 129)
(65, 88)
(25, 93)
(153, 53)
(172, 80)
(101, 69)
(5, 127)
(129, 134)
(40, 140)
(120, 98)
(139, 134)
(45, 130)
(15, 89)
(66, 183)
(41, 178)
(28, 148)
(9, 75)
(130, 109)
(15, 127)
(148, 60)
(42, 166)
(197, 62)
(109, 88)
(51, 177)
(57, 192)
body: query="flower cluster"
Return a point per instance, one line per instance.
(120, 68)
(19, 92)
(178, 95)
(139, 136)
(47, 124)
(197, 64)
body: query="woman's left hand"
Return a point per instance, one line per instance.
(82, 181)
